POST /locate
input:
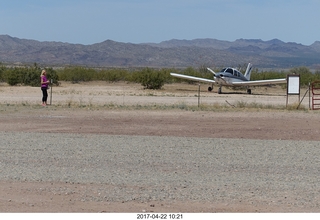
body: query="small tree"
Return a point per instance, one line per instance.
(12, 77)
(29, 76)
(76, 74)
(52, 75)
(306, 75)
(151, 79)
(2, 71)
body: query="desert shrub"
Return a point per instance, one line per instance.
(52, 75)
(166, 75)
(12, 77)
(29, 76)
(23, 75)
(2, 70)
(264, 75)
(149, 78)
(317, 76)
(81, 74)
(112, 75)
(76, 74)
(190, 71)
(306, 75)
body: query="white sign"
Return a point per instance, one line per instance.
(293, 84)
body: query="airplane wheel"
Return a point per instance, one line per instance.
(209, 88)
(249, 91)
(219, 91)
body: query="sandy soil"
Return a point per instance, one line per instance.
(20, 110)
(103, 93)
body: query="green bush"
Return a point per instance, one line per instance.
(112, 75)
(2, 71)
(52, 75)
(264, 75)
(150, 78)
(306, 75)
(76, 74)
(147, 77)
(12, 77)
(29, 76)
(81, 74)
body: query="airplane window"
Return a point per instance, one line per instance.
(224, 69)
(229, 70)
(237, 73)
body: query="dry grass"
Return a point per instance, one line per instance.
(122, 95)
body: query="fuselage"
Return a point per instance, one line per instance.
(227, 76)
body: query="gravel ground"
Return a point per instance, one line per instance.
(67, 158)
(152, 168)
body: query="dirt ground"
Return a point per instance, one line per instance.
(20, 111)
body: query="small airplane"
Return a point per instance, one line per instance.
(231, 77)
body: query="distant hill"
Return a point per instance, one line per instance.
(172, 53)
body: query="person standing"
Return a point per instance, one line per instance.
(44, 87)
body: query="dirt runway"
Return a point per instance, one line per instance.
(20, 111)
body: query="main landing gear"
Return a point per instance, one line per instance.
(219, 90)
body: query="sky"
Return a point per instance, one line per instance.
(153, 21)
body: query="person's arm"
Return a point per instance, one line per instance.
(42, 82)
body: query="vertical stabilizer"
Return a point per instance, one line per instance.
(248, 71)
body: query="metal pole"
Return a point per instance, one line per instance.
(309, 97)
(199, 96)
(51, 91)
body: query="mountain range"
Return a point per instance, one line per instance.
(172, 53)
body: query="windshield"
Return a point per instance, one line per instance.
(229, 70)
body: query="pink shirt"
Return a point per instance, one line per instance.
(44, 79)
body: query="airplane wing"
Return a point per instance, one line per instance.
(260, 82)
(197, 79)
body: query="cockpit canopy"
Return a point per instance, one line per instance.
(232, 71)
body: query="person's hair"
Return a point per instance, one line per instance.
(42, 72)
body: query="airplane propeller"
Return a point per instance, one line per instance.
(215, 74)
(211, 71)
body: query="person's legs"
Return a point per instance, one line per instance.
(44, 96)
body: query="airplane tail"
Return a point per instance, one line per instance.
(248, 71)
